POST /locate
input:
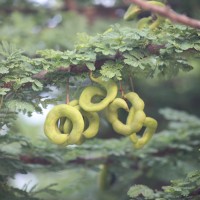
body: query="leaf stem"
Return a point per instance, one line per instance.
(1, 101)
(131, 83)
(121, 89)
(67, 89)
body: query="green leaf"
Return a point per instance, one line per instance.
(50, 54)
(25, 80)
(17, 105)
(3, 91)
(37, 85)
(111, 69)
(143, 190)
(4, 70)
(90, 66)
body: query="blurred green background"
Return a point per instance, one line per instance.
(53, 24)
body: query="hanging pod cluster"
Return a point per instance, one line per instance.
(74, 122)
(135, 121)
(151, 22)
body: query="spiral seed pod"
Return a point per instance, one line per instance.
(67, 122)
(112, 110)
(151, 126)
(139, 116)
(131, 115)
(93, 123)
(53, 133)
(85, 100)
(68, 126)
(144, 22)
(136, 116)
(134, 10)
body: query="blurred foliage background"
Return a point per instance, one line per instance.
(33, 25)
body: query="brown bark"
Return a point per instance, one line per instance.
(168, 13)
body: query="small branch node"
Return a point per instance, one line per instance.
(121, 89)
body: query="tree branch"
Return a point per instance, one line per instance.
(74, 69)
(35, 160)
(31, 159)
(77, 69)
(27, 159)
(168, 13)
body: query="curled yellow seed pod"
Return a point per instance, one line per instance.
(127, 129)
(151, 126)
(131, 115)
(85, 100)
(64, 124)
(136, 117)
(93, 123)
(135, 100)
(134, 10)
(112, 110)
(91, 117)
(53, 133)
(144, 22)
(62, 120)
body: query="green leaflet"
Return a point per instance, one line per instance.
(17, 105)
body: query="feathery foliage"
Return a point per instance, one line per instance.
(30, 80)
